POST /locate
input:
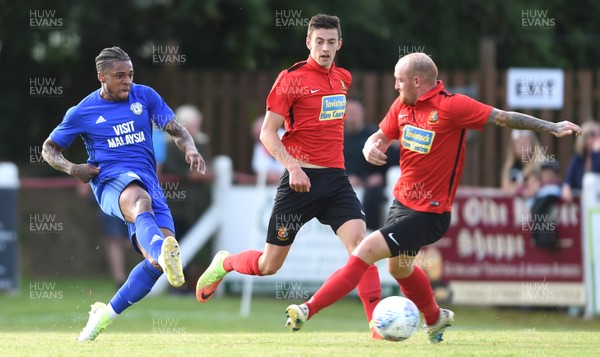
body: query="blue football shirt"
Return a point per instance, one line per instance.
(117, 134)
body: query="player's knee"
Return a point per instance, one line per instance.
(133, 201)
(351, 242)
(400, 268)
(400, 273)
(372, 248)
(357, 238)
(143, 203)
(363, 250)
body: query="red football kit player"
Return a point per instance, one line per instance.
(432, 136)
(431, 125)
(312, 99)
(309, 98)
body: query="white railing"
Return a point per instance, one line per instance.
(590, 234)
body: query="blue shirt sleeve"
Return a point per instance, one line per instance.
(64, 134)
(160, 112)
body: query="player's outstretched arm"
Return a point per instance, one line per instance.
(522, 121)
(52, 153)
(375, 148)
(184, 141)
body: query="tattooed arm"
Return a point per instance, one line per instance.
(522, 121)
(185, 143)
(52, 154)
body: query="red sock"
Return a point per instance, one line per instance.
(244, 262)
(417, 288)
(369, 291)
(339, 284)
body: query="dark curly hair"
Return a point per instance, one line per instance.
(109, 55)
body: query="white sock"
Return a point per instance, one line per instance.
(111, 312)
(304, 309)
(161, 261)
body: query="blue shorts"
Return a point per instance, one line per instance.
(109, 190)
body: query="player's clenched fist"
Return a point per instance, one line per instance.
(299, 182)
(373, 154)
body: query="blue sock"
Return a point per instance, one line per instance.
(138, 284)
(146, 232)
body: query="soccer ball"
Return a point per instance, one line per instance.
(396, 318)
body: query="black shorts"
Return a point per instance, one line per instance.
(407, 230)
(331, 200)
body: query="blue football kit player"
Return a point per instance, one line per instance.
(115, 123)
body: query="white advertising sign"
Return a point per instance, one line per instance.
(535, 88)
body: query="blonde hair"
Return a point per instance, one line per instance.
(512, 156)
(189, 114)
(587, 128)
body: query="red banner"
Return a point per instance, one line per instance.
(488, 251)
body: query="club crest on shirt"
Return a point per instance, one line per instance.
(282, 233)
(343, 85)
(136, 108)
(433, 117)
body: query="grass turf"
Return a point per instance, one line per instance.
(48, 321)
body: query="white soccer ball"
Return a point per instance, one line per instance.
(396, 318)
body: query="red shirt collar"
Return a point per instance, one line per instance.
(433, 91)
(314, 65)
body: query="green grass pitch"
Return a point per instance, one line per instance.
(49, 323)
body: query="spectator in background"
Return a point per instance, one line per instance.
(550, 180)
(525, 150)
(115, 234)
(543, 191)
(191, 117)
(585, 159)
(541, 181)
(261, 158)
(361, 173)
(117, 243)
(187, 192)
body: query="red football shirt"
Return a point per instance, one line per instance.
(313, 101)
(432, 136)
